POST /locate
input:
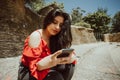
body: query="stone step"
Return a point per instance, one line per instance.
(11, 45)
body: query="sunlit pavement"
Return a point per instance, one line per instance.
(97, 61)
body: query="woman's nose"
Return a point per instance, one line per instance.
(58, 26)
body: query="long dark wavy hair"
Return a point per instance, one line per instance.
(64, 38)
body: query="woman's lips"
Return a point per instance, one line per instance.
(56, 31)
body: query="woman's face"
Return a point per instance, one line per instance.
(55, 27)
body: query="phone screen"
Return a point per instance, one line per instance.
(65, 53)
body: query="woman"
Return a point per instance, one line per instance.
(39, 58)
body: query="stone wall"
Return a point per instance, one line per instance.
(82, 35)
(115, 37)
(16, 23)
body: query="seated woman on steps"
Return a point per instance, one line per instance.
(39, 58)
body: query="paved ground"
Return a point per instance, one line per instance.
(98, 61)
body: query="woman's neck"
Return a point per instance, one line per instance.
(45, 36)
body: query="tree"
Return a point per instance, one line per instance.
(83, 24)
(98, 20)
(60, 5)
(76, 15)
(116, 22)
(35, 5)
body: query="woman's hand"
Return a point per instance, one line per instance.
(67, 60)
(49, 61)
(52, 60)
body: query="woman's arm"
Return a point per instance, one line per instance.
(48, 61)
(51, 60)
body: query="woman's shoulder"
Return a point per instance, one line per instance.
(36, 33)
(34, 39)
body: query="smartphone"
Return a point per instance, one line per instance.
(65, 52)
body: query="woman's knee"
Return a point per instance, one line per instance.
(68, 72)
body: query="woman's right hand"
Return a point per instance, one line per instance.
(49, 61)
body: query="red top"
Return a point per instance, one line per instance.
(32, 55)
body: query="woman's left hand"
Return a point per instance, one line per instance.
(67, 60)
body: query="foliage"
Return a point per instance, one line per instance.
(116, 22)
(98, 20)
(76, 15)
(60, 5)
(35, 5)
(83, 24)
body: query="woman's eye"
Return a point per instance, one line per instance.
(54, 22)
(61, 25)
